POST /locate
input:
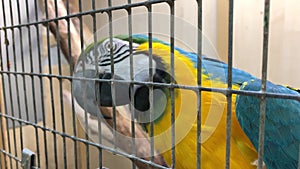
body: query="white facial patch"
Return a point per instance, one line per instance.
(140, 64)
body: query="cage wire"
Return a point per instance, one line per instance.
(36, 72)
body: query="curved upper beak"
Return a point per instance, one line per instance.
(118, 93)
(113, 93)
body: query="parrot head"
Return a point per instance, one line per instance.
(109, 62)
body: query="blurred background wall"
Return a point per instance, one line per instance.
(284, 51)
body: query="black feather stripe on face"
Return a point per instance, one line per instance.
(161, 74)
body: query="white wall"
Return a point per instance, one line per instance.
(284, 39)
(185, 22)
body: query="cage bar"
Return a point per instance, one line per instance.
(263, 84)
(199, 80)
(229, 84)
(4, 87)
(172, 60)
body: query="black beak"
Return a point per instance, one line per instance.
(121, 94)
(141, 93)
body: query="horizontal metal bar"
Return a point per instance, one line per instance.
(224, 91)
(112, 150)
(10, 155)
(90, 12)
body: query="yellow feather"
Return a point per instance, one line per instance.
(213, 121)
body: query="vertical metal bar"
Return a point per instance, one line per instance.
(5, 106)
(9, 84)
(69, 36)
(229, 84)
(86, 121)
(60, 86)
(2, 154)
(199, 82)
(71, 72)
(40, 71)
(22, 64)
(2, 128)
(32, 83)
(149, 7)
(172, 63)
(41, 85)
(51, 86)
(16, 80)
(113, 73)
(11, 108)
(264, 84)
(99, 117)
(16, 83)
(131, 106)
(84, 85)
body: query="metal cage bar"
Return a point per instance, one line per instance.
(51, 84)
(172, 61)
(60, 87)
(32, 79)
(263, 84)
(199, 80)
(94, 19)
(4, 87)
(74, 129)
(177, 86)
(229, 84)
(131, 87)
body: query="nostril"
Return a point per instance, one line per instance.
(105, 76)
(100, 75)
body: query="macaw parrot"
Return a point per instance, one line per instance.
(213, 104)
(282, 124)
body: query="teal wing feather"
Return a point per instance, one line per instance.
(215, 69)
(282, 125)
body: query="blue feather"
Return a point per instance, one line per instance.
(282, 125)
(215, 69)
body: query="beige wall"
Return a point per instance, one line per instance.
(185, 22)
(284, 39)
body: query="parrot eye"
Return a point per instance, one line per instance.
(109, 47)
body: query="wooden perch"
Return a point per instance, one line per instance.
(62, 31)
(142, 143)
(123, 121)
(123, 128)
